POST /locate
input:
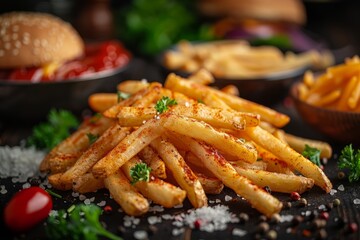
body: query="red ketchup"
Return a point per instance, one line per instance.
(97, 58)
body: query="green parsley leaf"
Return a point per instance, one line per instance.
(82, 222)
(95, 118)
(92, 137)
(350, 160)
(53, 193)
(122, 96)
(140, 172)
(48, 134)
(313, 154)
(163, 104)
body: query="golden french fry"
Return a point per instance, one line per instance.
(213, 100)
(100, 102)
(183, 175)
(258, 165)
(63, 161)
(342, 103)
(202, 76)
(211, 185)
(198, 91)
(298, 144)
(278, 182)
(355, 95)
(54, 180)
(132, 202)
(132, 86)
(202, 131)
(87, 183)
(152, 159)
(290, 156)
(155, 189)
(231, 90)
(327, 99)
(106, 142)
(258, 198)
(128, 148)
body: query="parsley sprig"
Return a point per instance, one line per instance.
(313, 154)
(82, 222)
(122, 96)
(350, 159)
(140, 172)
(163, 104)
(48, 134)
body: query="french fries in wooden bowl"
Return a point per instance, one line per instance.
(183, 139)
(330, 101)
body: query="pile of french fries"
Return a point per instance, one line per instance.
(236, 59)
(338, 88)
(208, 140)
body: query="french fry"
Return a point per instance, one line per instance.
(290, 156)
(355, 95)
(276, 180)
(132, 86)
(198, 91)
(202, 76)
(95, 152)
(231, 90)
(258, 198)
(211, 185)
(128, 148)
(54, 180)
(298, 144)
(87, 183)
(202, 131)
(132, 202)
(100, 102)
(342, 104)
(258, 165)
(183, 175)
(63, 161)
(152, 159)
(157, 190)
(213, 100)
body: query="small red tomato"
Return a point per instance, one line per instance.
(27, 208)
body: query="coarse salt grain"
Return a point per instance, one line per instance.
(286, 218)
(82, 197)
(228, 198)
(20, 163)
(179, 206)
(141, 234)
(26, 185)
(156, 208)
(87, 201)
(154, 219)
(333, 191)
(238, 232)
(322, 207)
(177, 231)
(356, 201)
(102, 203)
(341, 187)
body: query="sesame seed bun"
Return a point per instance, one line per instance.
(291, 11)
(35, 39)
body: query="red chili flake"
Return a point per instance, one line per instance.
(324, 215)
(107, 208)
(353, 227)
(295, 196)
(197, 223)
(306, 233)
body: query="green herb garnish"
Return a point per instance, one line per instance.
(81, 223)
(92, 137)
(48, 134)
(140, 172)
(122, 96)
(163, 104)
(53, 193)
(95, 118)
(349, 159)
(313, 154)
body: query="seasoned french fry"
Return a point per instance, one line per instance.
(355, 95)
(211, 185)
(198, 91)
(54, 180)
(87, 183)
(132, 86)
(231, 90)
(290, 156)
(128, 148)
(100, 102)
(276, 180)
(62, 161)
(152, 159)
(183, 175)
(157, 190)
(258, 165)
(259, 199)
(202, 76)
(342, 104)
(213, 100)
(95, 152)
(298, 144)
(222, 141)
(132, 202)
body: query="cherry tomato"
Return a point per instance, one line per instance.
(27, 208)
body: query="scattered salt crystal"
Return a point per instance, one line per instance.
(156, 208)
(102, 203)
(356, 201)
(286, 218)
(177, 231)
(322, 207)
(288, 230)
(75, 194)
(341, 188)
(178, 223)
(82, 197)
(228, 198)
(87, 201)
(26, 185)
(187, 104)
(333, 191)
(179, 206)
(53, 213)
(20, 163)
(153, 220)
(217, 200)
(131, 221)
(211, 201)
(166, 216)
(92, 199)
(3, 191)
(238, 232)
(144, 80)
(307, 213)
(141, 234)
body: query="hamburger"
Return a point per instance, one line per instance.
(37, 40)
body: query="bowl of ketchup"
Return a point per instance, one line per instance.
(29, 93)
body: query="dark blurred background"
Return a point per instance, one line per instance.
(334, 22)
